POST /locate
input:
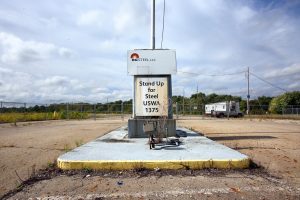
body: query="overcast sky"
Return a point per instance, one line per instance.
(58, 51)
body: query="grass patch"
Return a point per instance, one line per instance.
(67, 148)
(79, 142)
(51, 164)
(35, 116)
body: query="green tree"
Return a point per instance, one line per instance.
(214, 98)
(282, 101)
(264, 100)
(198, 98)
(243, 105)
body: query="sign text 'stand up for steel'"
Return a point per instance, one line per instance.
(151, 96)
(151, 62)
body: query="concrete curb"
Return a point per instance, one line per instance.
(152, 164)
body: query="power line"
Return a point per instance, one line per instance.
(163, 25)
(198, 74)
(275, 86)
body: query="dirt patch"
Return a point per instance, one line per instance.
(28, 147)
(274, 144)
(153, 184)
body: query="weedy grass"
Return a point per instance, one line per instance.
(79, 142)
(67, 148)
(35, 116)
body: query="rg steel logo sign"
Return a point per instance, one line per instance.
(149, 61)
(136, 57)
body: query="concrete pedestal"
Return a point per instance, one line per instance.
(114, 151)
(135, 127)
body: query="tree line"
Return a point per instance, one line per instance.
(261, 105)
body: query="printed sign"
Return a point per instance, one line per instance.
(151, 62)
(151, 96)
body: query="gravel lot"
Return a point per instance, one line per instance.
(273, 144)
(29, 147)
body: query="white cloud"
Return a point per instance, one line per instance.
(286, 71)
(294, 86)
(65, 52)
(129, 16)
(244, 14)
(209, 8)
(16, 50)
(91, 17)
(53, 89)
(56, 81)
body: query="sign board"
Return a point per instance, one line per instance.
(151, 62)
(151, 96)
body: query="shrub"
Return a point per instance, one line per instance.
(279, 103)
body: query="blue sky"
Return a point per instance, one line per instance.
(58, 51)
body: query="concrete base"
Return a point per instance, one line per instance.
(135, 127)
(115, 151)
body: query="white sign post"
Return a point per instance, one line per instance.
(152, 69)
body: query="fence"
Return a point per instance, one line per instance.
(18, 111)
(264, 110)
(291, 110)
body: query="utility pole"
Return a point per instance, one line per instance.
(183, 102)
(152, 44)
(248, 95)
(197, 100)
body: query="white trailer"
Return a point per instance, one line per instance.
(223, 109)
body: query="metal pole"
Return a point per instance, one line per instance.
(24, 112)
(94, 111)
(67, 110)
(176, 110)
(46, 109)
(152, 44)
(122, 111)
(197, 101)
(248, 95)
(81, 110)
(228, 109)
(183, 103)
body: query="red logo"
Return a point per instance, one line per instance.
(134, 56)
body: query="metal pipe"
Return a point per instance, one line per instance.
(248, 95)
(152, 44)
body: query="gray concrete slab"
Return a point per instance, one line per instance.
(115, 151)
